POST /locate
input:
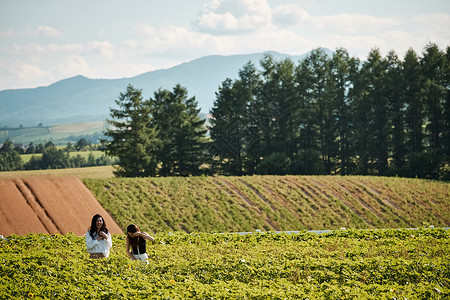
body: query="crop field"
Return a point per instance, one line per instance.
(195, 255)
(342, 264)
(227, 204)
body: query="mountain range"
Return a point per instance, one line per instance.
(80, 99)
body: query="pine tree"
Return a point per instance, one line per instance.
(181, 132)
(249, 132)
(226, 130)
(395, 85)
(276, 104)
(342, 70)
(373, 118)
(432, 64)
(414, 117)
(131, 138)
(314, 114)
(446, 117)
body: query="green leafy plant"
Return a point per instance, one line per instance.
(342, 264)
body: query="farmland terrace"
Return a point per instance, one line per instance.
(221, 204)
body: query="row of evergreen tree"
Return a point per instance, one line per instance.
(328, 114)
(337, 115)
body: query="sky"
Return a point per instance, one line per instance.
(42, 42)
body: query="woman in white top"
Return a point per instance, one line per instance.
(98, 239)
(136, 243)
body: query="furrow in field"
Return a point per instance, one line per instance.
(389, 212)
(37, 207)
(357, 206)
(17, 215)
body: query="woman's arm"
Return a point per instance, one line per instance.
(130, 255)
(90, 242)
(108, 240)
(146, 236)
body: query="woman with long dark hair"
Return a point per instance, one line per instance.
(136, 240)
(98, 239)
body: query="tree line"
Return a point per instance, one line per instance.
(327, 114)
(49, 156)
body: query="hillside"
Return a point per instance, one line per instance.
(80, 99)
(227, 204)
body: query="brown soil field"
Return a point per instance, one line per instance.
(53, 205)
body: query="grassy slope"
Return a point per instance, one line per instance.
(223, 204)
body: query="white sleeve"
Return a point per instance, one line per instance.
(90, 242)
(108, 241)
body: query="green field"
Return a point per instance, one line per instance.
(225, 204)
(356, 264)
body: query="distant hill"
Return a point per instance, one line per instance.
(80, 99)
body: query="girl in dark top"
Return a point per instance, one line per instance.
(136, 242)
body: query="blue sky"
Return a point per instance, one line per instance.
(44, 41)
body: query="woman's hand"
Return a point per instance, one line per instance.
(102, 236)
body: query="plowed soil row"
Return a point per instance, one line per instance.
(54, 205)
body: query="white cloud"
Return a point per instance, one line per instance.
(104, 49)
(359, 33)
(169, 40)
(15, 74)
(144, 30)
(434, 27)
(294, 16)
(73, 64)
(120, 70)
(354, 23)
(47, 32)
(6, 33)
(26, 71)
(35, 48)
(64, 48)
(230, 16)
(290, 15)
